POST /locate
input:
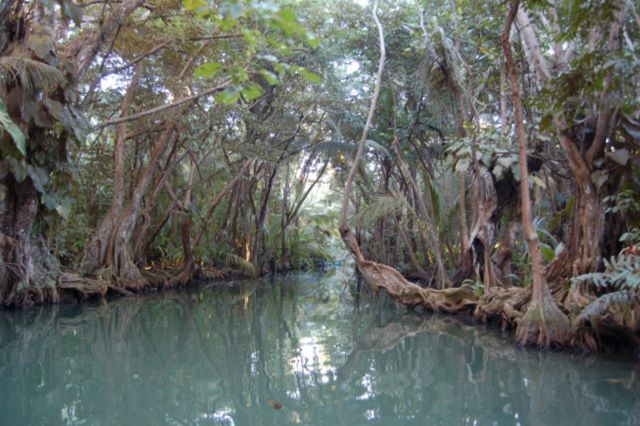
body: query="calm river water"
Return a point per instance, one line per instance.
(296, 349)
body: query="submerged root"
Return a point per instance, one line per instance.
(543, 324)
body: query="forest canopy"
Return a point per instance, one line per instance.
(475, 157)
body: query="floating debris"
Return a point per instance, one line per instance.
(274, 404)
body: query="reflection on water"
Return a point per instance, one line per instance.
(290, 351)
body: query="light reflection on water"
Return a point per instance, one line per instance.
(296, 350)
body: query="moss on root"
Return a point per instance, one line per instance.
(543, 325)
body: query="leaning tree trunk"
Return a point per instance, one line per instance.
(543, 323)
(380, 276)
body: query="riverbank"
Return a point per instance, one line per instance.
(503, 307)
(222, 354)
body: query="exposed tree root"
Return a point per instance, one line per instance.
(450, 300)
(543, 324)
(502, 306)
(611, 322)
(604, 335)
(380, 276)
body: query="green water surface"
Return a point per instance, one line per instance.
(297, 349)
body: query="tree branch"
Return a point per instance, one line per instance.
(344, 225)
(161, 108)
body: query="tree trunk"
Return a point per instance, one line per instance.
(380, 276)
(583, 244)
(256, 254)
(17, 221)
(117, 202)
(582, 251)
(110, 247)
(543, 323)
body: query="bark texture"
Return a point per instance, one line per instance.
(543, 323)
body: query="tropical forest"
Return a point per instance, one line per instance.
(320, 212)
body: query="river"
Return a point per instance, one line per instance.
(295, 349)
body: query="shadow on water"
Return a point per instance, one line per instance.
(291, 350)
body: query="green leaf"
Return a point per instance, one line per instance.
(69, 117)
(208, 69)
(6, 124)
(251, 37)
(228, 24)
(507, 162)
(39, 177)
(288, 23)
(269, 76)
(240, 74)
(547, 252)
(546, 123)
(252, 91)
(308, 75)
(516, 173)
(281, 68)
(312, 40)
(268, 58)
(288, 15)
(194, 5)
(18, 168)
(229, 96)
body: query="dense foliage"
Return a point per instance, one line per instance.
(151, 143)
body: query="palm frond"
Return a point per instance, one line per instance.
(31, 75)
(237, 262)
(381, 206)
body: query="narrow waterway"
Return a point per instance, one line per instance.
(298, 349)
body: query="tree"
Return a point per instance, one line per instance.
(543, 323)
(38, 124)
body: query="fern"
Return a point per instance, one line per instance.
(31, 75)
(606, 304)
(621, 273)
(237, 262)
